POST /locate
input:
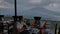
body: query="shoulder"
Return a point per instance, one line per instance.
(18, 23)
(24, 23)
(33, 24)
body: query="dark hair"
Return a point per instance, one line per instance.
(1, 16)
(20, 17)
(37, 18)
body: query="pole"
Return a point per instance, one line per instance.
(15, 7)
(56, 28)
(15, 19)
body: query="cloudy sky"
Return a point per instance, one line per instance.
(47, 9)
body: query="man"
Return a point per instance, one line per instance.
(21, 26)
(37, 22)
(36, 25)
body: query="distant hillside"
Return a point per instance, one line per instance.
(37, 11)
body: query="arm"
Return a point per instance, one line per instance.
(33, 25)
(19, 30)
(26, 26)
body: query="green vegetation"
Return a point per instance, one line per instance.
(8, 18)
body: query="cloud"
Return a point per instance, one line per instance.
(55, 1)
(39, 2)
(4, 4)
(35, 1)
(53, 7)
(9, 1)
(26, 4)
(6, 8)
(1, 6)
(29, 4)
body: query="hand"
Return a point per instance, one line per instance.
(24, 27)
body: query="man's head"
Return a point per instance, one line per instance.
(21, 18)
(37, 19)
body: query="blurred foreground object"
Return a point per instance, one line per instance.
(59, 30)
(1, 17)
(1, 24)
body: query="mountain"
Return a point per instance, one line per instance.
(42, 12)
(37, 11)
